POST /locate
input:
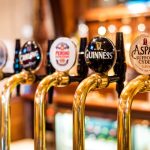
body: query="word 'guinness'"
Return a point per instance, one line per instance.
(100, 54)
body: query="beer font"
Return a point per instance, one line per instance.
(30, 57)
(140, 59)
(101, 56)
(62, 56)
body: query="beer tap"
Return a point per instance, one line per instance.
(100, 56)
(30, 58)
(140, 59)
(62, 56)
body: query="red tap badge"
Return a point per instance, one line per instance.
(63, 54)
(140, 54)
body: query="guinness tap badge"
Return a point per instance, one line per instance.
(63, 54)
(3, 55)
(100, 54)
(30, 56)
(140, 54)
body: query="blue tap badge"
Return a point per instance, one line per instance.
(30, 56)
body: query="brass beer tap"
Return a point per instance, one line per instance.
(62, 57)
(138, 85)
(30, 58)
(101, 57)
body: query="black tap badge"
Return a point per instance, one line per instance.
(140, 54)
(100, 54)
(63, 54)
(30, 56)
(3, 54)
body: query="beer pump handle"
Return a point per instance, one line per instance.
(82, 67)
(17, 67)
(49, 70)
(120, 66)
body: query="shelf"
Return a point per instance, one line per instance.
(116, 12)
(100, 101)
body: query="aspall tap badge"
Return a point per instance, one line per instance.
(140, 54)
(100, 54)
(63, 54)
(3, 54)
(30, 56)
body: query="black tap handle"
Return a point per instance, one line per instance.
(49, 70)
(17, 66)
(120, 66)
(82, 67)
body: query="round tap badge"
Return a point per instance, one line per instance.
(63, 54)
(30, 56)
(100, 54)
(140, 54)
(3, 54)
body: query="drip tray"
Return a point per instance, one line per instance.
(25, 144)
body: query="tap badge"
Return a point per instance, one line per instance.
(140, 54)
(3, 54)
(63, 54)
(30, 56)
(100, 54)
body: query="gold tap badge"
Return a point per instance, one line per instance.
(140, 54)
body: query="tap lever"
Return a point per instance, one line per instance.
(17, 66)
(120, 65)
(39, 77)
(75, 78)
(82, 67)
(49, 70)
(113, 79)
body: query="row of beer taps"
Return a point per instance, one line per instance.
(100, 54)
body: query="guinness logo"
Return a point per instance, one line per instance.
(100, 54)
(140, 54)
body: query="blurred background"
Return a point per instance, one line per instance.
(48, 19)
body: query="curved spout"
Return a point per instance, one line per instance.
(139, 84)
(21, 78)
(56, 79)
(88, 84)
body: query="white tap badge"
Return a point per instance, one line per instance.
(140, 54)
(3, 55)
(63, 54)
